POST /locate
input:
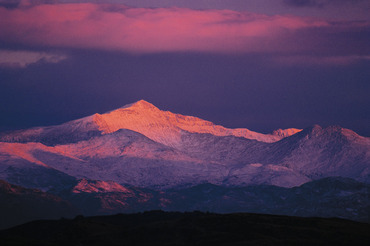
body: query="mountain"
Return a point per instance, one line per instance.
(143, 146)
(166, 127)
(140, 158)
(324, 152)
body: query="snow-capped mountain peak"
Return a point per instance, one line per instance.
(166, 127)
(143, 117)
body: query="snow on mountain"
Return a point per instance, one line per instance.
(124, 156)
(166, 127)
(143, 146)
(70, 132)
(323, 152)
(21, 151)
(143, 117)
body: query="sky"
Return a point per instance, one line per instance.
(261, 65)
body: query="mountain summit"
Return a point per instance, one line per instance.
(141, 104)
(166, 127)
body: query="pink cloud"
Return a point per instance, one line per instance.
(117, 27)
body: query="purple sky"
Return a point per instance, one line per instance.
(262, 65)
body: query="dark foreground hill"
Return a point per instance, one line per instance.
(19, 205)
(196, 228)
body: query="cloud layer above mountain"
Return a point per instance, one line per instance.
(143, 30)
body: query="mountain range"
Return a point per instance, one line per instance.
(138, 151)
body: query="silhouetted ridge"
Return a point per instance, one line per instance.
(196, 228)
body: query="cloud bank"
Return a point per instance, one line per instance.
(117, 27)
(146, 30)
(22, 59)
